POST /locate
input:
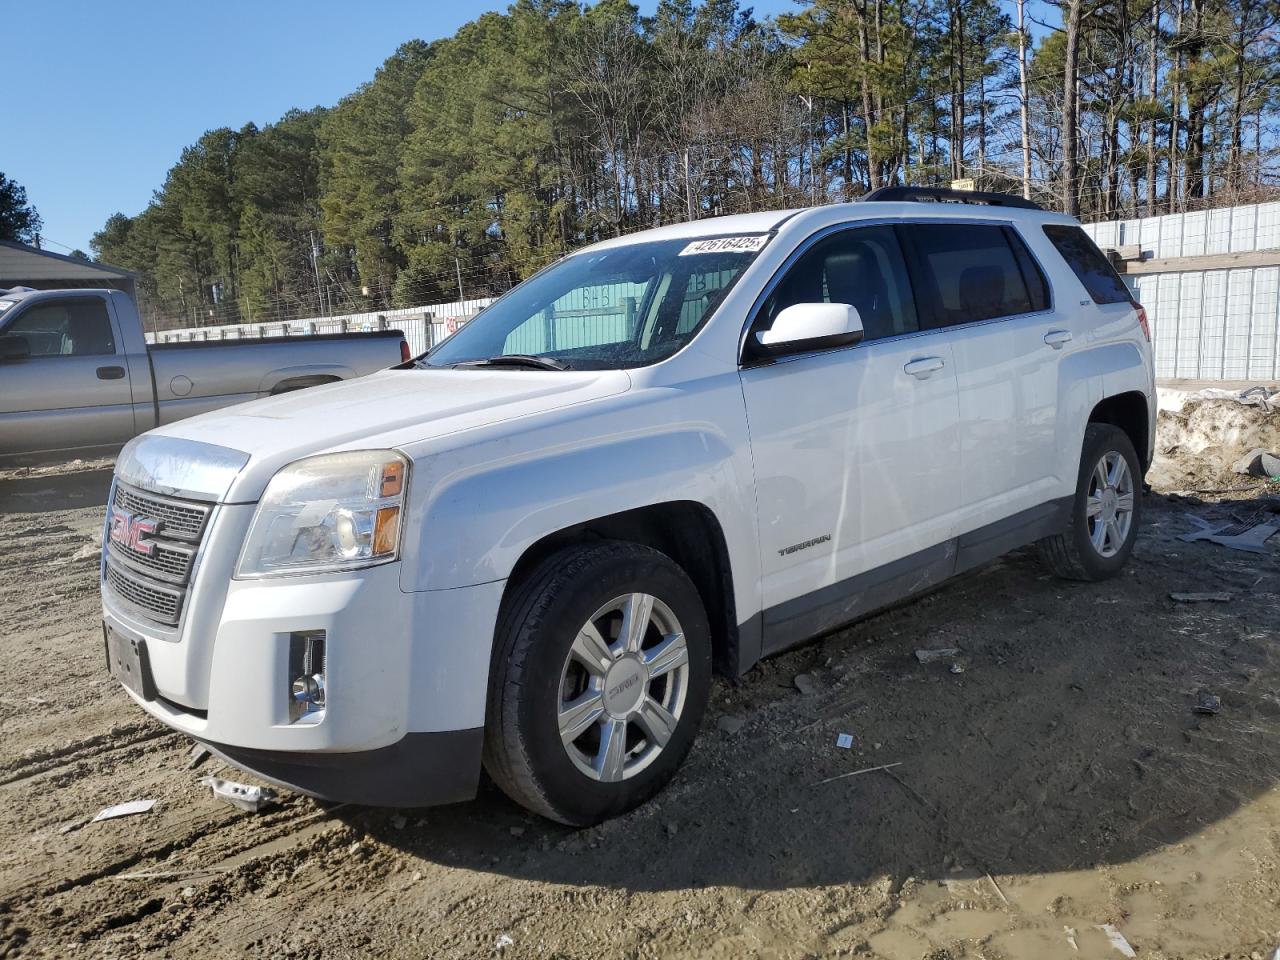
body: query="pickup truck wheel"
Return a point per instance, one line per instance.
(1105, 512)
(602, 672)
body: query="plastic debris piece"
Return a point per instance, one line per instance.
(1201, 597)
(1071, 937)
(929, 656)
(503, 942)
(957, 668)
(1258, 463)
(1207, 704)
(129, 809)
(1117, 939)
(1248, 536)
(240, 795)
(844, 741)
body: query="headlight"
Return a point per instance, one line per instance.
(338, 511)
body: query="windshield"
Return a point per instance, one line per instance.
(626, 306)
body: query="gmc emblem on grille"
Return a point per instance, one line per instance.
(131, 531)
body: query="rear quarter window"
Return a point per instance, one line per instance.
(1088, 263)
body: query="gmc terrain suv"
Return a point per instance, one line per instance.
(668, 454)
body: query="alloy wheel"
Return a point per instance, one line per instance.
(623, 687)
(1109, 504)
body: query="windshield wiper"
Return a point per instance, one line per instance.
(525, 360)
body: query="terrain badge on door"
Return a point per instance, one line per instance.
(803, 545)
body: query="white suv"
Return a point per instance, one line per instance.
(668, 454)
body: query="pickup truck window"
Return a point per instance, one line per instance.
(626, 306)
(76, 327)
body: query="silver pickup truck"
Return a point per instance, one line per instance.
(77, 377)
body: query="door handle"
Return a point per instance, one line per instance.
(1057, 338)
(111, 373)
(924, 368)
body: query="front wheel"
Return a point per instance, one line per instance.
(1105, 511)
(601, 677)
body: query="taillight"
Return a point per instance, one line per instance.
(1142, 320)
(404, 345)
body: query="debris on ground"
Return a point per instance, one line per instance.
(957, 668)
(1071, 937)
(1201, 597)
(929, 656)
(856, 773)
(129, 809)
(844, 741)
(731, 724)
(1249, 536)
(1117, 939)
(1207, 704)
(1259, 462)
(503, 942)
(804, 683)
(240, 795)
(672, 829)
(197, 755)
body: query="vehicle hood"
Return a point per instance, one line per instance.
(391, 408)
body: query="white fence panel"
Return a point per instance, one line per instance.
(1216, 324)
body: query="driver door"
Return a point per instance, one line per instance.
(853, 446)
(72, 389)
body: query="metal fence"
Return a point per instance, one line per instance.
(423, 326)
(1211, 324)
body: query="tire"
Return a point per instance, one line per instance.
(1079, 553)
(544, 651)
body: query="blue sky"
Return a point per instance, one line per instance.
(108, 94)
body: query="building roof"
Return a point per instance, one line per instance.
(21, 263)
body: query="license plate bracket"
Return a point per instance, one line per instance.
(127, 661)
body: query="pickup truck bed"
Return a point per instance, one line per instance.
(78, 378)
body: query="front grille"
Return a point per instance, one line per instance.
(160, 603)
(170, 562)
(151, 574)
(179, 519)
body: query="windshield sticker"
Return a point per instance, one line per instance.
(726, 245)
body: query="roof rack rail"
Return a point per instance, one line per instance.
(943, 195)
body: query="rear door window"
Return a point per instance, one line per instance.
(977, 272)
(76, 327)
(1088, 263)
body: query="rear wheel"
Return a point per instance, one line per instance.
(602, 671)
(1105, 511)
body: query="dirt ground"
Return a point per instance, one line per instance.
(1055, 780)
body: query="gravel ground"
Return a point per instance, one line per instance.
(1050, 779)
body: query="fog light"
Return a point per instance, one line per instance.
(307, 670)
(309, 691)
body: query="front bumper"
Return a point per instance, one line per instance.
(420, 770)
(406, 681)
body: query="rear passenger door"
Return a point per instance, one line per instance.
(983, 285)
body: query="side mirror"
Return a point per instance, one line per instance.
(811, 326)
(14, 347)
